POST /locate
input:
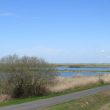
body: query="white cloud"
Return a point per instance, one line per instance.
(102, 51)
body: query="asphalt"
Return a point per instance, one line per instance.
(36, 105)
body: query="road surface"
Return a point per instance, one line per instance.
(39, 104)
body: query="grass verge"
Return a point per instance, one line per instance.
(94, 102)
(24, 100)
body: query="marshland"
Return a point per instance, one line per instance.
(27, 77)
(50, 48)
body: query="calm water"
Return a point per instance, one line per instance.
(69, 74)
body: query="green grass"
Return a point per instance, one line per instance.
(21, 100)
(94, 102)
(24, 100)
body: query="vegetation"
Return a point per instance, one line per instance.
(33, 98)
(25, 76)
(27, 79)
(79, 71)
(67, 83)
(94, 102)
(89, 65)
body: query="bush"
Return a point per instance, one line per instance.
(25, 76)
(101, 81)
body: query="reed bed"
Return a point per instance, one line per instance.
(65, 83)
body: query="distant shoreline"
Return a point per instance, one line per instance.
(83, 71)
(84, 65)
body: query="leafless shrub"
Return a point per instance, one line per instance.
(25, 76)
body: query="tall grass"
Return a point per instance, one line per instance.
(72, 82)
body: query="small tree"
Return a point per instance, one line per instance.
(25, 76)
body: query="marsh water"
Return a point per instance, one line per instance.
(83, 71)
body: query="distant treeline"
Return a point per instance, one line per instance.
(89, 65)
(79, 71)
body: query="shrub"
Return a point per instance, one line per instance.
(25, 76)
(101, 81)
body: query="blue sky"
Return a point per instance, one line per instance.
(60, 31)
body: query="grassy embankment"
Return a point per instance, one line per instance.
(64, 86)
(24, 100)
(99, 101)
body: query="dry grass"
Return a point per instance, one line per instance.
(4, 98)
(72, 82)
(105, 107)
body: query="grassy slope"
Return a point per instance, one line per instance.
(19, 101)
(94, 102)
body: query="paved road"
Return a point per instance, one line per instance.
(35, 105)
